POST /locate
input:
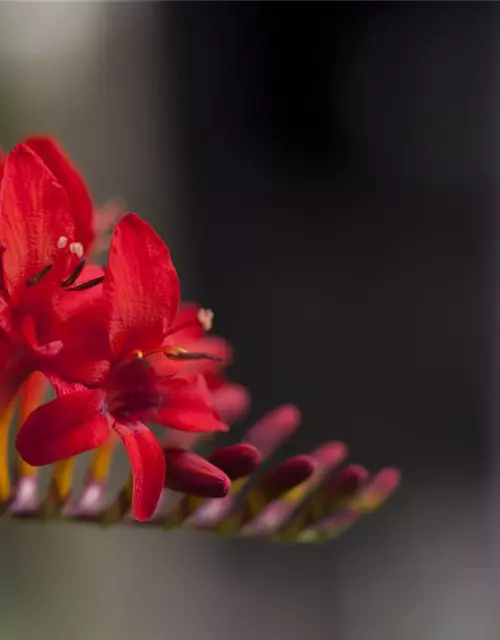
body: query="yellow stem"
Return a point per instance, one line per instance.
(31, 395)
(5, 484)
(101, 461)
(62, 477)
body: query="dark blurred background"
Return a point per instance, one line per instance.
(326, 176)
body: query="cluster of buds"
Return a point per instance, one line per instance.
(119, 351)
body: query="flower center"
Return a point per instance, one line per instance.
(67, 252)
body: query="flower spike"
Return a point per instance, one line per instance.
(121, 352)
(303, 499)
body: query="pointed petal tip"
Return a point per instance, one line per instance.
(140, 267)
(148, 467)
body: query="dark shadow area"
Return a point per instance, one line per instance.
(338, 175)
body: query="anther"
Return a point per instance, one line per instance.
(205, 318)
(76, 248)
(62, 242)
(38, 276)
(71, 279)
(87, 285)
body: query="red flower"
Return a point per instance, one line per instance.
(41, 262)
(230, 400)
(137, 380)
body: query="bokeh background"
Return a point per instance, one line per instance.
(325, 174)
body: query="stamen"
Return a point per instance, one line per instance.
(38, 276)
(62, 242)
(192, 355)
(205, 318)
(87, 285)
(178, 353)
(71, 279)
(76, 248)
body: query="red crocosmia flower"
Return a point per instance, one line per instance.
(90, 227)
(141, 381)
(42, 264)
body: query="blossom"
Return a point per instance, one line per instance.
(90, 226)
(132, 371)
(41, 273)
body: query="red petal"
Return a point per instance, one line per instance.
(186, 326)
(82, 329)
(62, 387)
(34, 214)
(185, 405)
(141, 287)
(71, 303)
(148, 467)
(69, 178)
(84, 357)
(64, 427)
(185, 419)
(191, 474)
